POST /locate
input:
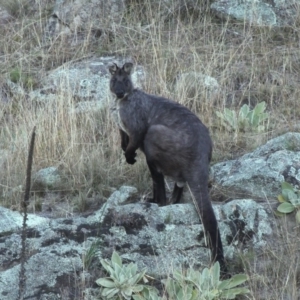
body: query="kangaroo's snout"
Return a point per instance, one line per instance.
(119, 90)
(120, 94)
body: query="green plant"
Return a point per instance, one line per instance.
(91, 253)
(17, 76)
(205, 286)
(246, 119)
(123, 282)
(289, 200)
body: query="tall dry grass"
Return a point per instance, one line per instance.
(251, 65)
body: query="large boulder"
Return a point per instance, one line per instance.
(86, 83)
(158, 238)
(259, 174)
(257, 12)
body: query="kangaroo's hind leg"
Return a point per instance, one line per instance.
(159, 191)
(151, 152)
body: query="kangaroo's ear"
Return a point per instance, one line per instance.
(113, 69)
(128, 68)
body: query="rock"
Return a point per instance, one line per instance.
(196, 85)
(55, 250)
(47, 179)
(257, 12)
(259, 174)
(86, 81)
(251, 222)
(71, 18)
(11, 221)
(145, 233)
(141, 232)
(251, 11)
(47, 272)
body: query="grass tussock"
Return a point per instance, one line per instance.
(251, 65)
(275, 272)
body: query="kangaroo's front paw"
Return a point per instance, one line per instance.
(130, 158)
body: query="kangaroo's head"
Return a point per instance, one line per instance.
(120, 82)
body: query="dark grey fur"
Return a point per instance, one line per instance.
(174, 141)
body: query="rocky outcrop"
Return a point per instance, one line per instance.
(259, 174)
(158, 238)
(55, 248)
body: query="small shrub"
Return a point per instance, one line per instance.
(290, 200)
(123, 281)
(205, 286)
(246, 119)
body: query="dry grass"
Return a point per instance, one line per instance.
(275, 272)
(251, 65)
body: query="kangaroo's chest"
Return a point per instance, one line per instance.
(115, 113)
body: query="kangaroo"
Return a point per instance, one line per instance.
(175, 143)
